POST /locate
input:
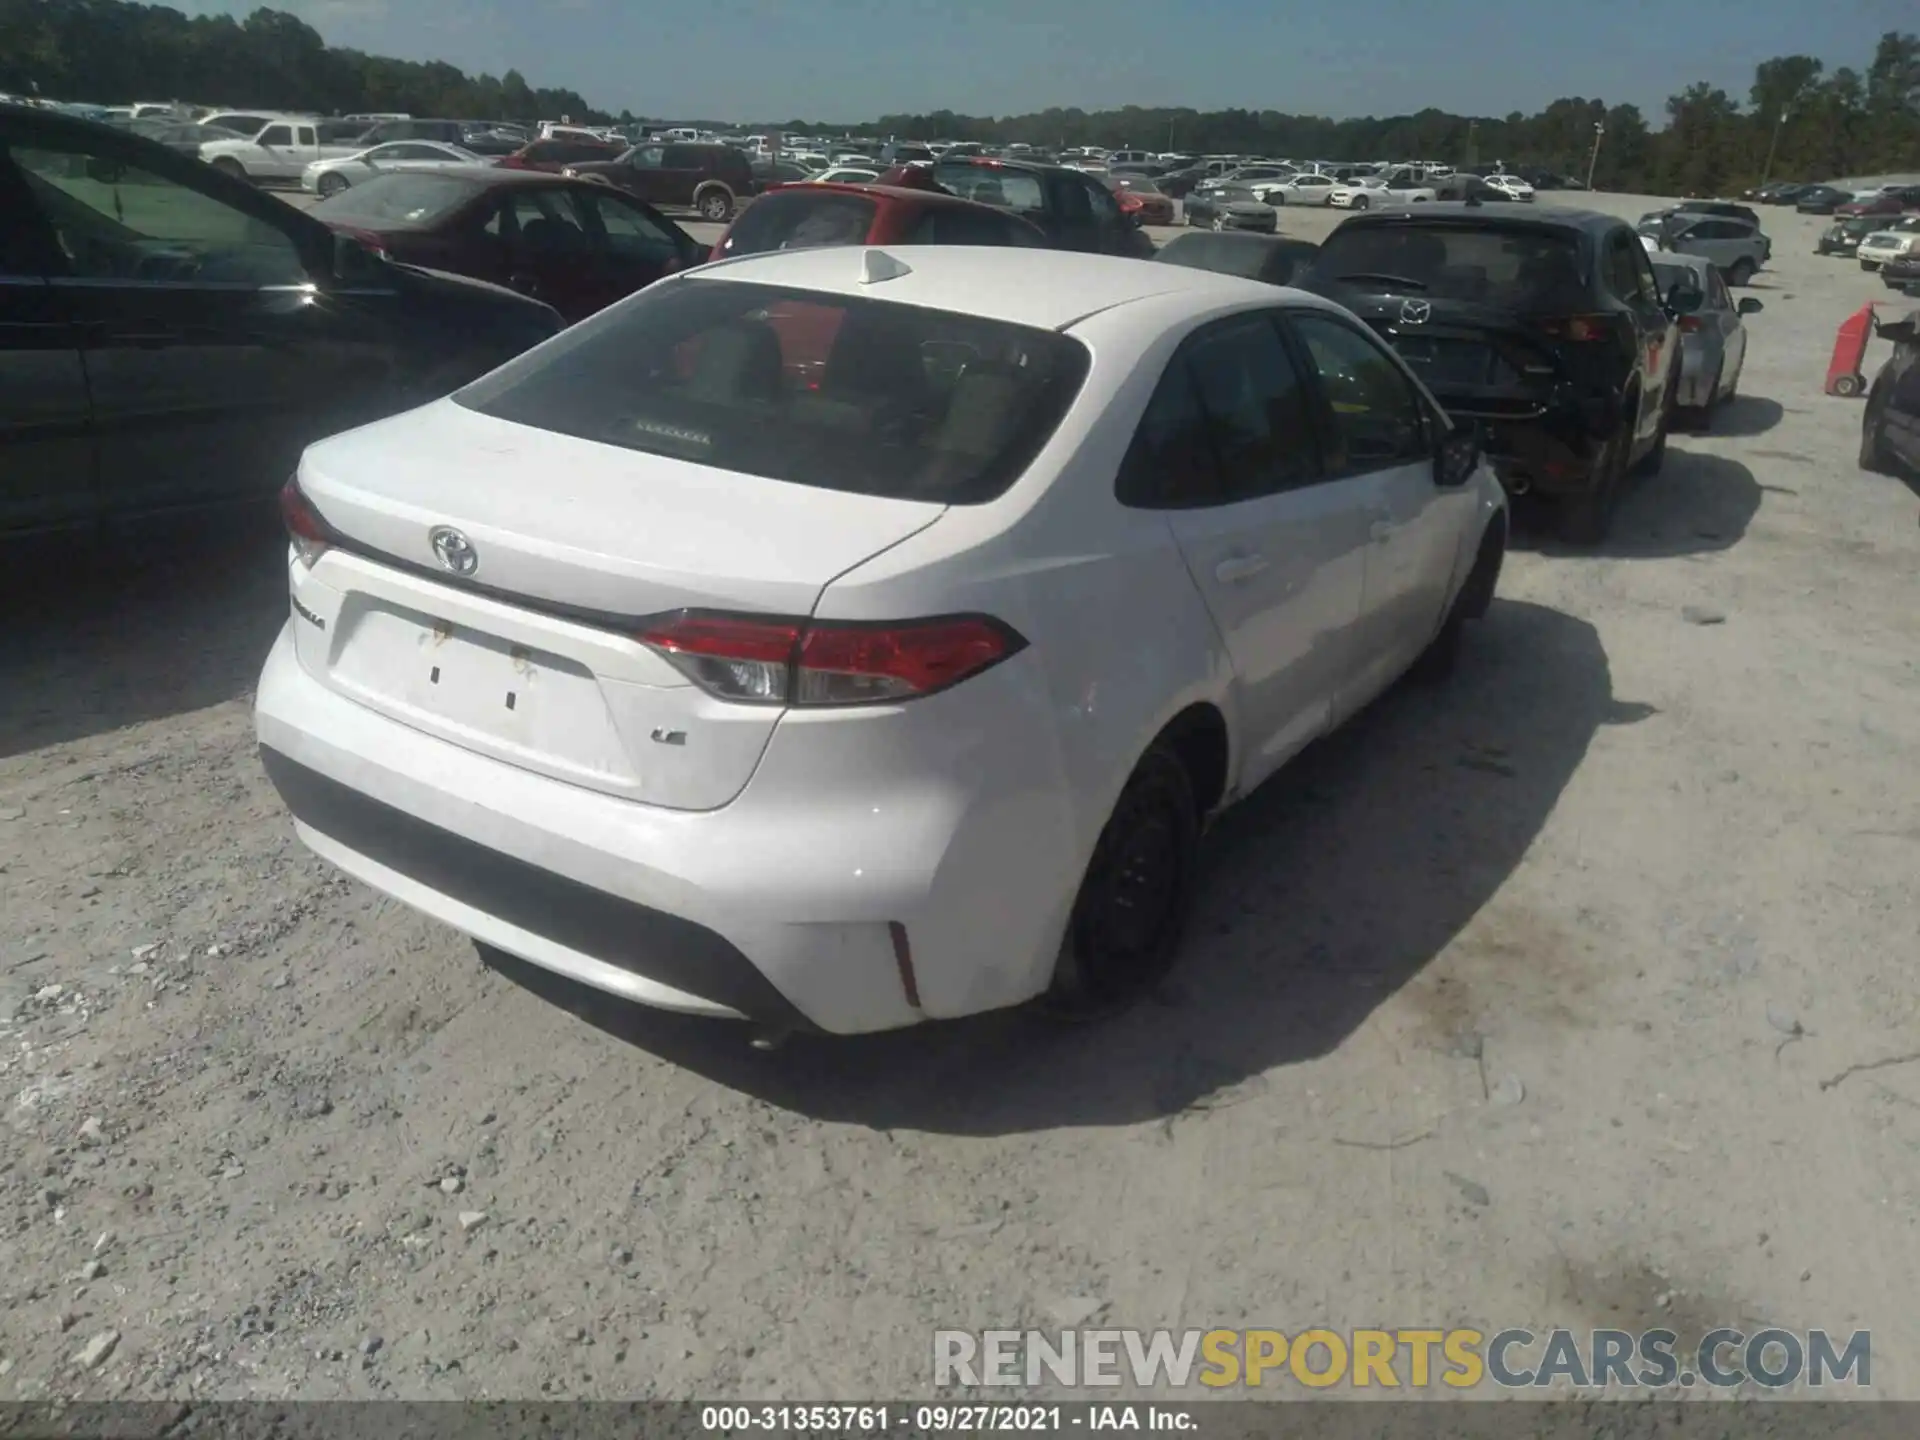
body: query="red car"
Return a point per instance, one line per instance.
(1141, 198)
(556, 155)
(793, 217)
(574, 244)
(1887, 202)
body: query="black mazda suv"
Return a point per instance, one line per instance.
(1544, 327)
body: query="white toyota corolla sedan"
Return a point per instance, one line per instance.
(843, 638)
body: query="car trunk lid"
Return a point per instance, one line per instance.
(484, 580)
(1479, 361)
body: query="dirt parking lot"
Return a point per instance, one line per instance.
(1554, 997)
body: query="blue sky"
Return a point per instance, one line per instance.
(855, 59)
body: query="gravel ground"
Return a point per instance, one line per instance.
(1528, 1002)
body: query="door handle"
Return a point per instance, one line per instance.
(1237, 569)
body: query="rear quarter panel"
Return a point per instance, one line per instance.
(1119, 639)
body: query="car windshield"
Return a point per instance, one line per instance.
(824, 390)
(1516, 267)
(801, 220)
(398, 201)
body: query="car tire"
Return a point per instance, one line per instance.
(1869, 265)
(1132, 906)
(1360, 202)
(1874, 456)
(1442, 656)
(1585, 518)
(1656, 455)
(331, 184)
(227, 165)
(1741, 272)
(715, 203)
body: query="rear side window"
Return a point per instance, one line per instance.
(1520, 268)
(992, 185)
(960, 225)
(1231, 421)
(830, 391)
(795, 220)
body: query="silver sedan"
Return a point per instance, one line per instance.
(1713, 339)
(328, 178)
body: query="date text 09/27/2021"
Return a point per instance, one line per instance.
(940, 1418)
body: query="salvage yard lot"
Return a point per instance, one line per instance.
(1529, 1001)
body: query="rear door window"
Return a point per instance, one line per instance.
(903, 401)
(1515, 267)
(1259, 413)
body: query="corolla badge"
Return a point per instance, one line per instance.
(1415, 312)
(453, 550)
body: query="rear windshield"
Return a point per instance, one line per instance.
(1517, 268)
(797, 220)
(397, 200)
(831, 391)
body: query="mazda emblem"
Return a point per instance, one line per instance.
(1415, 312)
(453, 550)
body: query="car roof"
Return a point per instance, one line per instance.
(1535, 217)
(1048, 289)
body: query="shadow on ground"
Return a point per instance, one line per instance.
(109, 633)
(1698, 503)
(1745, 416)
(1324, 894)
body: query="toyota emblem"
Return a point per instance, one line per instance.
(1415, 312)
(453, 550)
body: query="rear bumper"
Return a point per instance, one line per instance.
(779, 907)
(1699, 376)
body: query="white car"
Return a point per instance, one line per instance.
(1511, 186)
(1898, 241)
(841, 638)
(1309, 189)
(845, 175)
(330, 177)
(1375, 191)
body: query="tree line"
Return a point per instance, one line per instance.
(1798, 120)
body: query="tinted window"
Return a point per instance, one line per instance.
(1621, 274)
(958, 225)
(622, 227)
(836, 392)
(1258, 413)
(992, 185)
(797, 220)
(145, 227)
(685, 157)
(397, 200)
(276, 135)
(1171, 464)
(1106, 210)
(1378, 419)
(1520, 267)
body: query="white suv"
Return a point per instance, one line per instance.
(842, 638)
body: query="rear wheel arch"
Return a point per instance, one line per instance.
(1198, 736)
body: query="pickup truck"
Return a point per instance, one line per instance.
(283, 149)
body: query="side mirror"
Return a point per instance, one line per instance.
(1750, 306)
(354, 261)
(1457, 456)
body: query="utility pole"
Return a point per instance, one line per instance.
(1773, 147)
(1473, 144)
(1593, 160)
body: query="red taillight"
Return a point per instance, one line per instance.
(1690, 324)
(1580, 328)
(368, 239)
(309, 532)
(780, 662)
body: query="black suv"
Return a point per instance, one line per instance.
(1072, 208)
(173, 338)
(1547, 328)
